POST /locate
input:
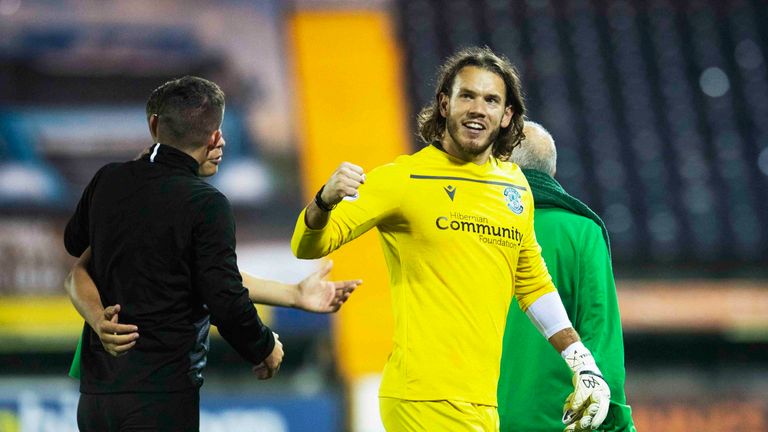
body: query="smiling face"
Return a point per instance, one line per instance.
(474, 113)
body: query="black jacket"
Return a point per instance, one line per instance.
(163, 244)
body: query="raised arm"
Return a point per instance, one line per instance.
(344, 182)
(372, 200)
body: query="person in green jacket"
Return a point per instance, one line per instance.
(534, 381)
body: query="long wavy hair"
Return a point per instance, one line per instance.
(432, 124)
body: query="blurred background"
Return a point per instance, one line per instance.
(659, 109)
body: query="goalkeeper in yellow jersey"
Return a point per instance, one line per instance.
(456, 223)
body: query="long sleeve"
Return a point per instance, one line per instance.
(532, 279)
(219, 284)
(378, 199)
(598, 321)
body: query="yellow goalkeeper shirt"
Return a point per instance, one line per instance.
(458, 240)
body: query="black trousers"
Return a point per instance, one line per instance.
(135, 412)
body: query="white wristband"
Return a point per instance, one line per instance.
(548, 314)
(579, 358)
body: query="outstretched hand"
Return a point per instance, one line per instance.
(116, 338)
(322, 296)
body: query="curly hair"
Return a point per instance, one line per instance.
(432, 124)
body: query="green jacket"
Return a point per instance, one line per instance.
(535, 380)
(74, 368)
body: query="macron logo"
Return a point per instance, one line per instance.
(451, 191)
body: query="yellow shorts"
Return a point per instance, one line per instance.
(400, 415)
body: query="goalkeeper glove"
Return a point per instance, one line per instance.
(587, 407)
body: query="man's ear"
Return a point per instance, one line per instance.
(213, 140)
(442, 104)
(506, 119)
(153, 122)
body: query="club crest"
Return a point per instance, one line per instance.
(514, 200)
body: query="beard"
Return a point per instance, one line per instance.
(470, 146)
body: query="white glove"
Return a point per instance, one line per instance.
(587, 407)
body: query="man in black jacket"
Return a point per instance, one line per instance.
(163, 247)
